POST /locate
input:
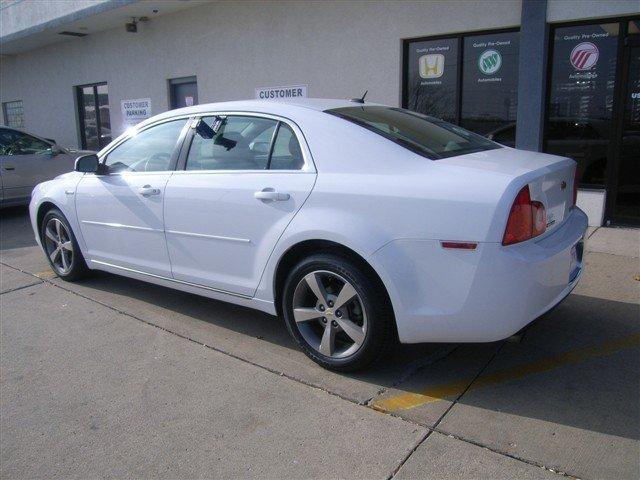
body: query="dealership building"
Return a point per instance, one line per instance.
(558, 76)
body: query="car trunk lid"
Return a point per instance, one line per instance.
(550, 178)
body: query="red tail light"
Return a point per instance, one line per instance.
(527, 219)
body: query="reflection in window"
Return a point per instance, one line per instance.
(486, 100)
(627, 192)
(426, 136)
(105, 120)
(490, 82)
(95, 127)
(581, 97)
(287, 154)
(148, 151)
(241, 143)
(18, 143)
(433, 78)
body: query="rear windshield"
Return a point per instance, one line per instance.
(426, 136)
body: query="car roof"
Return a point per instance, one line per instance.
(288, 107)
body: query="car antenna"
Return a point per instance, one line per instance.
(360, 100)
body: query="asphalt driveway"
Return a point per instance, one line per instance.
(111, 377)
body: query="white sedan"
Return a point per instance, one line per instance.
(359, 223)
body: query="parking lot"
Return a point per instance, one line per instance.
(111, 377)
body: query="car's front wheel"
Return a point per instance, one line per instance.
(61, 247)
(339, 316)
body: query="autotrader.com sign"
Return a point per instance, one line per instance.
(278, 93)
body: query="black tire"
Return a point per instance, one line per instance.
(380, 332)
(77, 265)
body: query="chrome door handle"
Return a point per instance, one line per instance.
(9, 167)
(148, 190)
(270, 195)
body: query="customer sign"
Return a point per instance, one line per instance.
(135, 111)
(277, 93)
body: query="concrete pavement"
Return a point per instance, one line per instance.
(112, 377)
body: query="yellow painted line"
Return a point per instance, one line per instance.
(410, 400)
(46, 274)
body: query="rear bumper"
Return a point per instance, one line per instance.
(482, 295)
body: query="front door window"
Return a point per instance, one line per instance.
(150, 150)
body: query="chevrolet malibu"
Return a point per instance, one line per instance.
(360, 224)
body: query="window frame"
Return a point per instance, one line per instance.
(406, 42)
(5, 116)
(308, 166)
(171, 84)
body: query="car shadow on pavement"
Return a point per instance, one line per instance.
(576, 366)
(569, 367)
(15, 228)
(250, 335)
(241, 320)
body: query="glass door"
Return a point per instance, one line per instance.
(94, 117)
(625, 191)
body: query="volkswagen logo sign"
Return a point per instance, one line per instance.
(489, 62)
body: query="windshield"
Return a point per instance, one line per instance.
(426, 136)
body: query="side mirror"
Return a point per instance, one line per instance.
(89, 164)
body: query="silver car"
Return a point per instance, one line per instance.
(25, 161)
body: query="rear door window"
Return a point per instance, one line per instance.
(240, 143)
(286, 154)
(245, 143)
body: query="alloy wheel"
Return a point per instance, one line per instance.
(329, 314)
(59, 246)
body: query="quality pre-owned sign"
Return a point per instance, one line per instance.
(433, 77)
(135, 111)
(277, 93)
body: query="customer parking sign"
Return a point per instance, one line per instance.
(135, 111)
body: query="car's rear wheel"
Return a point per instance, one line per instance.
(336, 313)
(61, 246)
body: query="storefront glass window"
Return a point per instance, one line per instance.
(432, 78)
(470, 80)
(490, 83)
(581, 97)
